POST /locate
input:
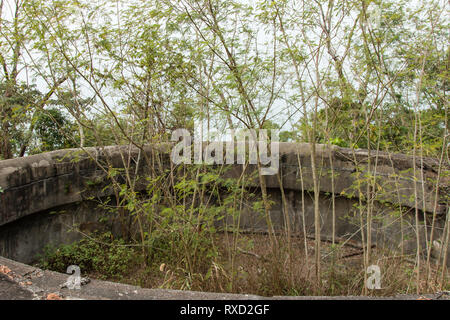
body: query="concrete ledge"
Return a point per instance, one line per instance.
(41, 283)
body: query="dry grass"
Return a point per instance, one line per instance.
(257, 271)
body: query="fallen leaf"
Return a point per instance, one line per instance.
(53, 296)
(4, 269)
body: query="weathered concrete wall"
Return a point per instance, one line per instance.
(24, 239)
(34, 186)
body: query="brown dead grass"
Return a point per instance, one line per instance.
(257, 271)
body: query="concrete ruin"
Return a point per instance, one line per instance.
(44, 196)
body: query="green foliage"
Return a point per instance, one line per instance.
(53, 131)
(392, 132)
(16, 107)
(106, 256)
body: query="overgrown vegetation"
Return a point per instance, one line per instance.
(359, 74)
(107, 258)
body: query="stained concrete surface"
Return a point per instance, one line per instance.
(10, 290)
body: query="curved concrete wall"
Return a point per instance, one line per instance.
(44, 181)
(38, 184)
